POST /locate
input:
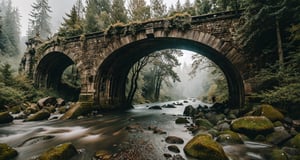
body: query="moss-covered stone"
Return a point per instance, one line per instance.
(60, 152)
(270, 112)
(181, 120)
(295, 141)
(203, 123)
(203, 147)
(5, 117)
(103, 155)
(39, 116)
(7, 152)
(252, 125)
(229, 137)
(278, 137)
(278, 154)
(76, 110)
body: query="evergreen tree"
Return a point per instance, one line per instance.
(9, 37)
(118, 13)
(97, 15)
(158, 9)
(40, 19)
(178, 6)
(72, 25)
(80, 9)
(138, 10)
(202, 7)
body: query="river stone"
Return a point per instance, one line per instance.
(47, 101)
(7, 152)
(203, 123)
(5, 117)
(155, 107)
(174, 140)
(40, 115)
(252, 125)
(189, 111)
(76, 110)
(294, 142)
(278, 154)
(229, 137)
(174, 149)
(278, 137)
(60, 102)
(203, 147)
(270, 112)
(60, 152)
(181, 120)
(103, 155)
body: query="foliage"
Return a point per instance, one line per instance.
(138, 10)
(40, 19)
(72, 25)
(118, 13)
(158, 8)
(10, 29)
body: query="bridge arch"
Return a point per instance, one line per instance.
(122, 53)
(49, 70)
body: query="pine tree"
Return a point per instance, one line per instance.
(158, 9)
(72, 25)
(118, 13)
(40, 19)
(202, 7)
(80, 9)
(138, 10)
(178, 6)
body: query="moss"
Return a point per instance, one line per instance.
(77, 109)
(203, 147)
(40, 115)
(15, 109)
(270, 112)
(295, 141)
(6, 152)
(278, 154)
(203, 123)
(60, 152)
(252, 125)
(229, 137)
(181, 121)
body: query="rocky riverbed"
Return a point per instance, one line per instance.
(185, 129)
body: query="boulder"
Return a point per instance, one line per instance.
(181, 120)
(203, 123)
(229, 137)
(60, 102)
(252, 125)
(60, 152)
(270, 112)
(103, 155)
(189, 111)
(155, 107)
(169, 106)
(277, 154)
(47, 101)
(76, 110)
(203, 147)
(174, 140)
(278, 137)
(174, 149)
(295, 142)
(32, 108)
(5, 117)
(40, 115)
(7, 152)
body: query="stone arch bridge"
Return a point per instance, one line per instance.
(104, 59)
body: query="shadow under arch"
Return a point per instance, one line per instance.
(112, 73)
(48, 74)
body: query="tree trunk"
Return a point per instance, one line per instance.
(279, 44)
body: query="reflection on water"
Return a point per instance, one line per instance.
(108, 132)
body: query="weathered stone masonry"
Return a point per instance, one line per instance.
(104, 59)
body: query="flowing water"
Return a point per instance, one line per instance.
(110, 132)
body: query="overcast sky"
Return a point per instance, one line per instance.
(59, 8)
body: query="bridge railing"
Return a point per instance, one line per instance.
(159, 23)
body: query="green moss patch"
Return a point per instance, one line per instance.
(60, 152)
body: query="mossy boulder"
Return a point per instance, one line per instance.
(5, 117)
(203, 147)
(252, 125)
(60, 152)
(229, 137)
(270, 112)
(203, 123)
(39, 116)
(278, 154)
(76, 110)
(7, 152)
(295, 141)
(181, 120)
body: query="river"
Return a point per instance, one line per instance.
(109, 132)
